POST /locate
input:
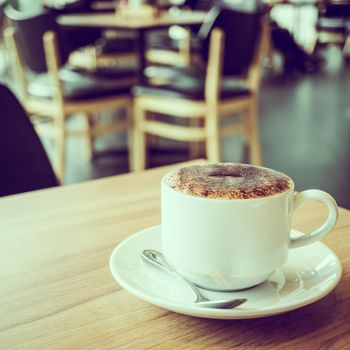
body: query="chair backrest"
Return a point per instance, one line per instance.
(203, 5)
(335, 9)
(23, 162)
(241, 26)
(31, 28)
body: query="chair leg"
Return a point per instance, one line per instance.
(151, 140)
(139, 139)
(89, 120)
(195, 148)
(129, 134)
(252, 131)
(60, 143)
(213, 135)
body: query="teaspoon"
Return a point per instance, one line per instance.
(158, 259)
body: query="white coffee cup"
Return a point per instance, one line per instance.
(231, 244)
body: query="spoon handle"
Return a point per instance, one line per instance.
(157, 259)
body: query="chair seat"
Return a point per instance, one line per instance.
(188, 83)
(110, 73)
(170, 73)
(78, 86)
(334, 25)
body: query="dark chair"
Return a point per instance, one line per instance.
(75, 37)
(228, 85)
(57, 92)
(177, 45)
(77, 6)
(24, 163)
(295, 57)
(332, 22)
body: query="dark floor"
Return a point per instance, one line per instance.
(305, 131)
(305, 127)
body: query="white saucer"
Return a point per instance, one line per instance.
(309, 274)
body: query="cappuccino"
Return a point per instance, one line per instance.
(227, 226)
(228, 181)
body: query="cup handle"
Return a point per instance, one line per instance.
(327, 226)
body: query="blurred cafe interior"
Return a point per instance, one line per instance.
(94, 88)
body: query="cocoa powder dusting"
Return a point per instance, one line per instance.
(228, 181)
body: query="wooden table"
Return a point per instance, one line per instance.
(56, 290)
(141, 26)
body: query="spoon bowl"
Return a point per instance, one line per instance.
(157, 259)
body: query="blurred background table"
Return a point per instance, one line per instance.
(57, 291)
(139, 25)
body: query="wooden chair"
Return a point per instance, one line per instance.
(204, 100)
(57, 93)
(331, 25)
